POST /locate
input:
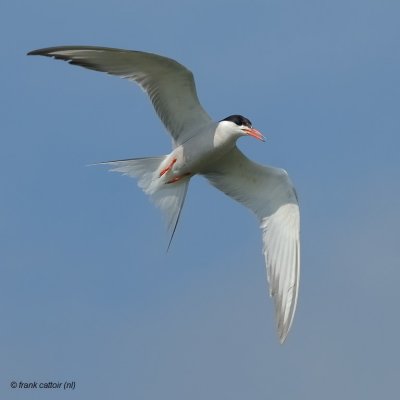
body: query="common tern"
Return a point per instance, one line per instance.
(201, 146)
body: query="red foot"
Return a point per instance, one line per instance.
(178, 178)
(165, 170)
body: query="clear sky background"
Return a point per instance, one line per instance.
(87, 291)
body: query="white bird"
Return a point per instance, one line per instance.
(204, 147)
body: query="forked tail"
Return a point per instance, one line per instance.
(168, 197)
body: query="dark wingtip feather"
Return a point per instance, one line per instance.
(50, 51)
(40, 52)
(53, 53)
(33, 53)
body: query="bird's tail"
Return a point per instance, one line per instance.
(168, 197)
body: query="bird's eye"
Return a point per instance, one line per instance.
(247, 123)
(239, 120)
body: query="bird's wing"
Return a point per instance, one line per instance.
(169, 84)
(269, 193)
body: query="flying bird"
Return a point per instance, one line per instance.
(201, 146)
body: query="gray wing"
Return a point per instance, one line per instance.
(169, 85)
(269, 193)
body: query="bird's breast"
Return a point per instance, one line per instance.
(197, 154)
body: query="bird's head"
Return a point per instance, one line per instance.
(238, 126)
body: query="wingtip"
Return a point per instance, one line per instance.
(282, 339)
(46, 51)
(38, 52)
(282, 329)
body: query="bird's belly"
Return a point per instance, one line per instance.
(195, 160)
(194, 157)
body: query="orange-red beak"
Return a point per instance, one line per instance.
(255, 133)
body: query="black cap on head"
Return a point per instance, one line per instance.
(238, 120)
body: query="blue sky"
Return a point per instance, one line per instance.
(88, 292)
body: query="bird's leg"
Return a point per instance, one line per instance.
(178, 178)
(165, 170)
